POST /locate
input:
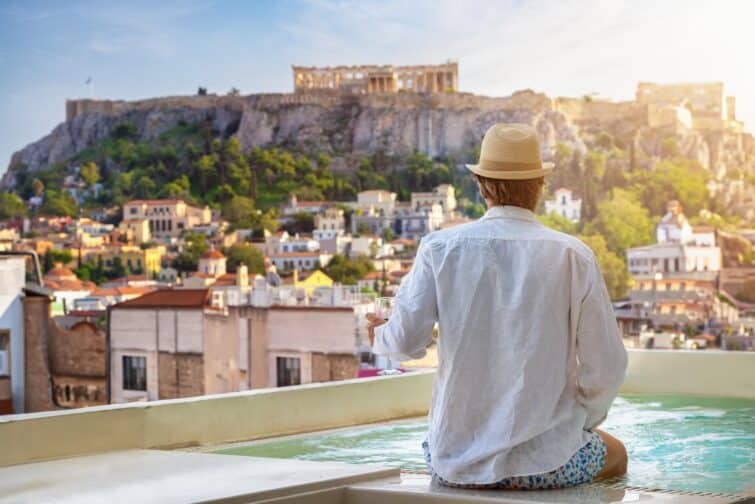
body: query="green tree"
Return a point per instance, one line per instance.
(51, 257)
(670, 148)
(622, 221)
(195, 244)
(118, 268)
(302, 222)
(59, 203)
(38, 187)
(89, 173)
(348, 271)
(611, 264)
(11, 206)
(240, 211)
(388, 234)
(558, 222)
(681, 179)
(245, 253)
(364, 229)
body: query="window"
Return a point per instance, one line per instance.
(132, 210)
(134, 373)
(4, 352)
(288, 371)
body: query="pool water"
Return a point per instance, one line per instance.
(674, 443)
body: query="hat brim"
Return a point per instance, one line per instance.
(545, 169)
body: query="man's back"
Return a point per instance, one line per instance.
(512, 299)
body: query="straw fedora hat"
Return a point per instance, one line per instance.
(510, 152)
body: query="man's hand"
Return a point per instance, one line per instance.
(373, 321)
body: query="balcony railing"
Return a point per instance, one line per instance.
(672, 295)
(264, 413)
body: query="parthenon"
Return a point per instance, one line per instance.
(362, 79)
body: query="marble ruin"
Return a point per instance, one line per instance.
(369, 79)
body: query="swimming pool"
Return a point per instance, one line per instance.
(674, 443)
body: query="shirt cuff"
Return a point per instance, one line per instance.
(383, 345)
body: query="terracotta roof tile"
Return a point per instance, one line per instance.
(213, 254)
(169, 298)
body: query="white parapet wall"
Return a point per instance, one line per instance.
(265, 413)
(709, 373)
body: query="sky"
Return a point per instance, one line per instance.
(142, 49)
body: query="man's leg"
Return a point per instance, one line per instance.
(616, 456)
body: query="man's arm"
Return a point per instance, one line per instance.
(409, 329)
(601, 353)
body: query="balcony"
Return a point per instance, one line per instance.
(673, 295)
(143, 452)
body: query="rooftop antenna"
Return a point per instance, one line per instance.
(90, 84)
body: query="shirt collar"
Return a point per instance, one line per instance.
(509, 212)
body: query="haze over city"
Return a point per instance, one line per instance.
(143, 50)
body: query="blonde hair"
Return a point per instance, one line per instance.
(522, 193)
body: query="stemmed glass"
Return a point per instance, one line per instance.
(383, 309)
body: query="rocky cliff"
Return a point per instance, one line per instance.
(350, 126)
(343, 126)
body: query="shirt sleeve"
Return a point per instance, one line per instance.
(600, 350)
(408, 331)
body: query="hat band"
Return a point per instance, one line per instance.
(486, 164)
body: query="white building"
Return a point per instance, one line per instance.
(673, 257)
(212, 263)
(443, 195)
(167, 218)
(288, 261)
(565, 204)
(295, 205)
(12, 370)
(298, 244)
(329, 224)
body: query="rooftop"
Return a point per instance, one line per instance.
(169, 298)
(74, 456)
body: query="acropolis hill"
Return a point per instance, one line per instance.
(349, 112)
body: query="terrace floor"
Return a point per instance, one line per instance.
(179, 476)
(147, 452)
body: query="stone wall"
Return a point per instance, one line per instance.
(78, 107)
(38, 393)
(6, 398)
(181, 375)
(79, 351)
(63, 368)
(333, 367)
(583, 110)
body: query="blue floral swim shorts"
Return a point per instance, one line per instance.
(581, 468)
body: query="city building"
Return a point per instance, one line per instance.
(136, 230)
(66, 288)
(329, 224)
(212, 262)
(709, 107)
(175, 343)
(565, 204)
(304, 260)
(294, 206)
(675, 281)
(137, 260)
(443, 195)
(179, 343)
(362, 79)
(42, 365)
(167, 218)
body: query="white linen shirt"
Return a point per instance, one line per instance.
(529, 354)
